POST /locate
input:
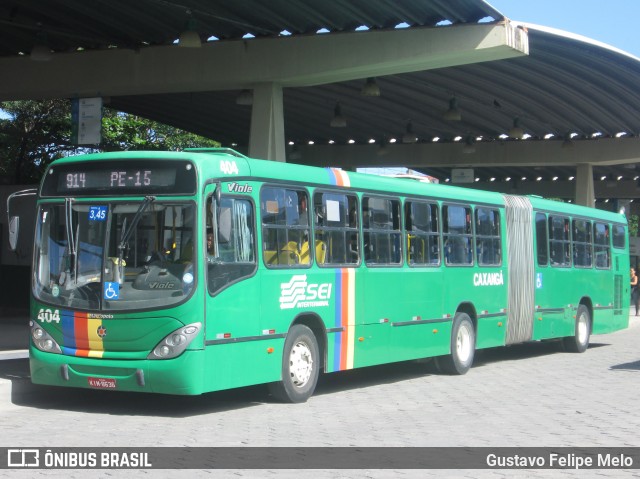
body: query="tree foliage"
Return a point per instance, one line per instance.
(121, 131)
(34, 133)
(633, 225)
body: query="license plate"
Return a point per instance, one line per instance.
(102, 383)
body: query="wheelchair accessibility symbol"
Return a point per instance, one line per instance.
(111, 290)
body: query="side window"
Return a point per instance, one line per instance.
(336, 228)
(381, 231)
(456, 228)
(542, 246)
(230, 252)
(601, 246)
(582, 244)
(285, 227)
(559, 243)
(423, 241)
(619, 236)
(488, 247)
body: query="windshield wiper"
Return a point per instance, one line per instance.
(127, 231)
(70, 256)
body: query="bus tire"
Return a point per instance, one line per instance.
(300, 366)
(463, 346)
(579, 342)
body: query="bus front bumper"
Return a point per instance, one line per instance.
(182, 375)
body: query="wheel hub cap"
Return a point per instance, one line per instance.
(300, 364)
(463, 344)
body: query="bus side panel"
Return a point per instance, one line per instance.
(483, 290)
(619, 293)
(395, 297)
(233, 365)
(421, 340)
(242, 344)
(372, 345)
(491, 332)
(551, 301)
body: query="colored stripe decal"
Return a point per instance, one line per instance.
(80, 335)
(344, 319)
(339, 177)
(351, 311)
(343, 357)
(338, 322)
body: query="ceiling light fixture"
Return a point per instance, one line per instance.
(190, 38)
(383, 150)
(295, 154)
(245, 97)
(370, 88)
(567, 143)
(516, 130)
(453, 113)
(41, 51)
(338, 120)
(409, 136)
(469, 147)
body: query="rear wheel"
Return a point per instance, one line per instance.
(463, 347)
(300, 366)
(579, 342)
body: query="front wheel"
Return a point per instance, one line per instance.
(300, 366)
(463, 347)
(579, 342)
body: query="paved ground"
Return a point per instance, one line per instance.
(525, 395)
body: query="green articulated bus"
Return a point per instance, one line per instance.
(197, 271)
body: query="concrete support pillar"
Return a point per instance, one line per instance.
(266, 139)
(584, 186)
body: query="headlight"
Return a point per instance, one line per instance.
(42, 340)
(176, 342)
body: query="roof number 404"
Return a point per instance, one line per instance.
(229, 167)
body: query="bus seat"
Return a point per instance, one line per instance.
(288, 257)
(270, 257)
(291, 246)
(321, 251)
(304, 253)
(289, 253)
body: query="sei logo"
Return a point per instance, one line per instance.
(46, 315)
(229, 167)
(297, 293)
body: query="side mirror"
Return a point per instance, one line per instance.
(14, 228)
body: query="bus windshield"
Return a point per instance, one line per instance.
(114, 256)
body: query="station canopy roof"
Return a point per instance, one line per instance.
(566, 86)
